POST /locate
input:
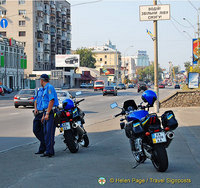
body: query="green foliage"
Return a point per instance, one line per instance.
(147, 73)
(86, 57)
(187, 66)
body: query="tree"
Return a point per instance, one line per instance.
(147, 73)
(187, 66)
(86, 57)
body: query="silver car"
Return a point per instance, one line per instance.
(62, 95)
(24, 97)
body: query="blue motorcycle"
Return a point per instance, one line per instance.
(146, 136)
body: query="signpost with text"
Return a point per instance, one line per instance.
(154, 13)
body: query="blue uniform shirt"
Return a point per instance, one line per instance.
(38, 97)
(48, 95)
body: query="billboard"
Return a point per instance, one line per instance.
(107, 72)
(193, 80)
(68, 60)
(195, 44)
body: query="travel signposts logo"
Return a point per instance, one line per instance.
(102, 180)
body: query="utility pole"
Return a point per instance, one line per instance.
(156, 62)
(17, 69)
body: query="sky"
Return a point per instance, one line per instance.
(118, 20)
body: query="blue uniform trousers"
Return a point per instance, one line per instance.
(38, 130)
(49, 134)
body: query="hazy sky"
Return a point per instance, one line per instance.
(118, 21)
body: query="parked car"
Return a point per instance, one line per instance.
(161, 86)
(62, 95)
(169, 84)
(1, 91)
(177, 86)
(110, 90)
(83, 85)
(24, 97)
(6, 89)
(89, 85)
(131, 86)
(142, 86)
(121, 86)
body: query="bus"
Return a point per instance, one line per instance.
(99, 85)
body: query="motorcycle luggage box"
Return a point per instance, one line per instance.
(169, 120)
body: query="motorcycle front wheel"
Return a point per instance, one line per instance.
(159, 158)
(71, 141)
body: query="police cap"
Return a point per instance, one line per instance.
(44, 77)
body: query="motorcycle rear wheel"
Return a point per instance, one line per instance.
(159, 158)
(71, 142)
(85, 141)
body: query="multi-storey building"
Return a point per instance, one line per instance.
(108, 62)
(141, 59)
(44, 27)
(12, 63)
(128, 67)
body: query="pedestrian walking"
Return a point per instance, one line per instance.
(38, 128)
(49, 104)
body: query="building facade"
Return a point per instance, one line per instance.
(141, 59)
(108, 62)
(12, 63)
(44, 27)
(128, 67)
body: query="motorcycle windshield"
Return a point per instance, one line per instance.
(137, 115)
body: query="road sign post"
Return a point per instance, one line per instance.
(155, 13)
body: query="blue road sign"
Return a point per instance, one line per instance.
(4, 23)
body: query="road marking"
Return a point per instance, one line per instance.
(4, 107)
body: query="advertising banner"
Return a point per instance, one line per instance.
(107, 72)
(196, 51)
(68, 60)
(193, 80)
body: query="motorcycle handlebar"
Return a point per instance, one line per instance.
(80, 101)
(118, 114)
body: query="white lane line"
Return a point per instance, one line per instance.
(6, 107)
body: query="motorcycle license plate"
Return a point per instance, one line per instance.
(66, 126)
(159, 137)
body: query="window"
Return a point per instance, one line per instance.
(21, 2)
(39, 44)
(105, 62)
(3, 12)
(105, 56)
(22, 12)
(24, 44)
(3, 33)
(22, 23)
(2, 2)
(100, 59)
(22, 33)
(2, 48)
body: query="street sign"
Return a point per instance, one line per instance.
(154, 12)
(4, 23)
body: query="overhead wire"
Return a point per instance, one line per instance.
(89, 2)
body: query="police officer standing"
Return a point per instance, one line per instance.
(49, 104)
(37, 124)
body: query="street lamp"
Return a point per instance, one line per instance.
(187, 34)
(191, 26)
(125, 58)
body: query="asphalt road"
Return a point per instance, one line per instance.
(16, 124)
(107, 156)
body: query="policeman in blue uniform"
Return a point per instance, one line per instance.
(37, 124)
(49, 104)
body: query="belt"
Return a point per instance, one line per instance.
(55, 107)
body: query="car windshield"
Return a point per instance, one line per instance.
(99, 83)
(121, 84)
(61, 94)
(109, 88)
(29, 92)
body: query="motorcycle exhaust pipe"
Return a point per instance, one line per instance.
(170, 135)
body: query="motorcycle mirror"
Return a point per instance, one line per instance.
(78, 93)
(113, 105)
